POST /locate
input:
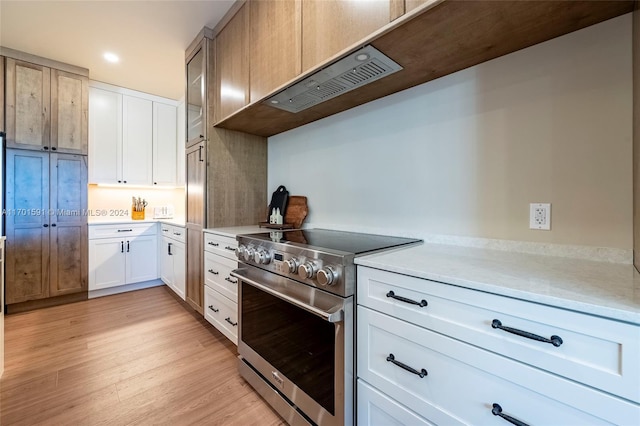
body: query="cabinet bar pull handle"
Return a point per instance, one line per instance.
(213, 272)
(228, 319)
(422, 373)
(231, 281)
(125, 230)
(177, 233)
(554, 340)
(200, 153)
(53, 148)
(421, 303)
(127, 246)
(229, 248)
(496, 410)
(169, 249)
(121, 246)
(46, 225)
(211, 243)
(213, 309)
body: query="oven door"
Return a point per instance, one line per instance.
(293, 336)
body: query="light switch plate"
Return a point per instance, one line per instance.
(540, 216)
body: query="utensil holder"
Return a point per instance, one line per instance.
(137, 215)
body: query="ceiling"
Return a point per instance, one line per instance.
(150, 37)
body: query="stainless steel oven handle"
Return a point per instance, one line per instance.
(333, 317)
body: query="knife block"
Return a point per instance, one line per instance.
(137, 215)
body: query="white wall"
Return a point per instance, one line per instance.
(108, 198)
(465, 154)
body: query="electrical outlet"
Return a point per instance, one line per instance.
(540, 216)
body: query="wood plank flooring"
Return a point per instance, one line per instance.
(137, 358)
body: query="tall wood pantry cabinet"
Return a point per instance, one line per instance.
(226, 171)
(46, 121)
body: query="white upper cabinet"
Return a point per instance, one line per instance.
(137, 141)
(164, 144)
(132, 137)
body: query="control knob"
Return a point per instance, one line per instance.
(248, 253)
(240, 251)
(307, 270)
(327, 276)
(292, 265)
(262, 257)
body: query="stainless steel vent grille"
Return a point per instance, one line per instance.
(359, 68)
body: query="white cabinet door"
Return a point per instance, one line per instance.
(166, 261)
(164, 144)
(180, 156)
(179, 268)
(105, 136)
(142, 259)
(137, 141)
(106, 263)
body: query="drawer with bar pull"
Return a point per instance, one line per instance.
(122, 230)
(222, 313)
(224, 246)
(217, 275)
(596, 351)
(450, 382)
(174, 232)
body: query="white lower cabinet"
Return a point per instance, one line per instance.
(122, 254)
(220, 288)
(173, 258)
(434, 362)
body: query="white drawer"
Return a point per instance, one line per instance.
(596, 351)
(222, 313)
(224, 246)
(463, 381)
(174, 232)
(122, 230)
(217, 275)
(377, 409)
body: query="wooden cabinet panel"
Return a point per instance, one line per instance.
(195, 182)
(194, 285)
(69, 110)
(275, 44)
(196, 100)
(330, 26)
(137, 141)
(232, 65)
(105, 134)
(2, 126)
(28, 99)
(27, 227)
(164, 144)
(409, 5)
(68, 247)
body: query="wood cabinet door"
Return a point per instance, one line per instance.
(196, 181)
(196, 95)
(137, 141)
(68, 248)
(2, 127)
(195, 285)
(164, 144)
(275, 45)
(69, 110)
(106, 263)
(142, 259)
(330, 26)
(232, 66)
(28, 100)
(105, 136)
(27, 225)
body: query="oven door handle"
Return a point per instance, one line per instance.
(332, 317)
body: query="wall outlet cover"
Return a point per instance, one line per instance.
(540, 216)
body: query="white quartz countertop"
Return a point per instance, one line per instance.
(609, 290)
(109, 221)
(232, 231)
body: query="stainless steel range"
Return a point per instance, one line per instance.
(296, 294)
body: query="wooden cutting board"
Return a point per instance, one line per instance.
(297, 210)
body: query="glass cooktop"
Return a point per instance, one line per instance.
(324, 239)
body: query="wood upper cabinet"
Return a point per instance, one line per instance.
(275, 44)
(69, 111)
(330, 26)
(232, 65)
(2, 127)
(28, 100)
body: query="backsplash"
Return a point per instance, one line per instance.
(107, 203)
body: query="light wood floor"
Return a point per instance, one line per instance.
(138, 358)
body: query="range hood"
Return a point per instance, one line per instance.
(359, 68)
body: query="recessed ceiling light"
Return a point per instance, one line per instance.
(362, 57)
(111, 57)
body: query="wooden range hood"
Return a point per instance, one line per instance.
(441, 38)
